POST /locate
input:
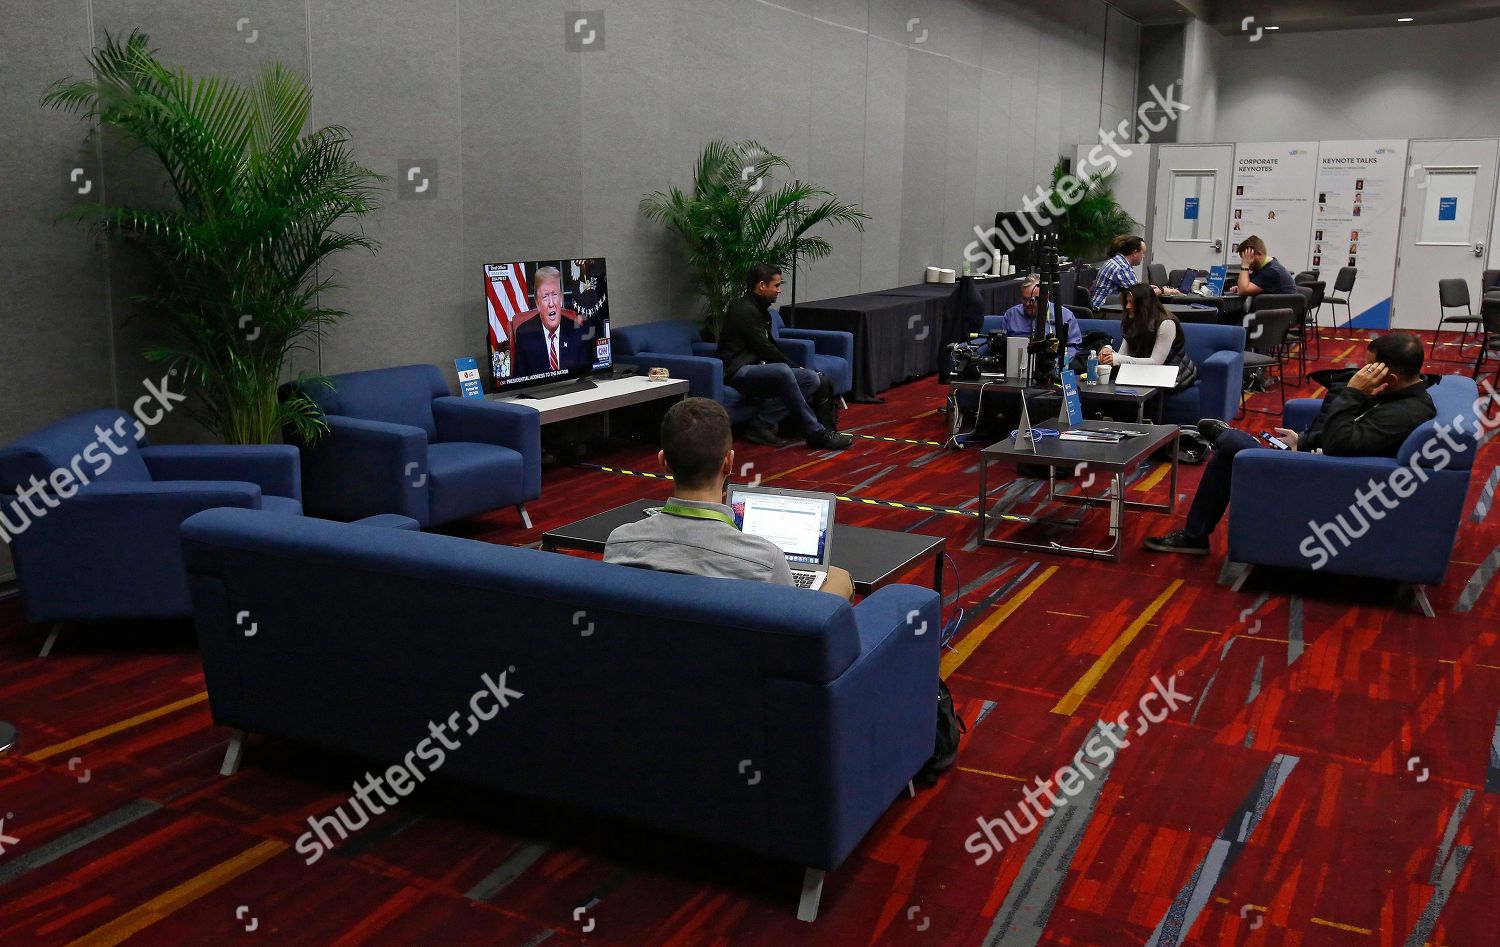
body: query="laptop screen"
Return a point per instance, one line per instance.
(1188, 277)
(797, 524)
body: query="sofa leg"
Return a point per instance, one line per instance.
(51, 640)
(232, 755)
(843, 405)
(812, 893)
(911, 789)
(1420, 594)
(1239, 582)
(525, 517)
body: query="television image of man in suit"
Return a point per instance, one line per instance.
(548, 337)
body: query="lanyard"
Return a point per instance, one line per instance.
(673, 508)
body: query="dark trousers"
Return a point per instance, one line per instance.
(784, 389)
(1212, 498)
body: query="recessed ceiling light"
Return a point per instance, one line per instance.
(1403, 19)
(1273, 27)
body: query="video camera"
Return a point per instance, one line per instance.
(982, 354)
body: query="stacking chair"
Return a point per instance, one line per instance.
(1296, 334)
(1489, 314)
(1343, 283)
(1489, 282)
(1156, 274)
(1453, 293)
(1306, 276)
(1266, 345)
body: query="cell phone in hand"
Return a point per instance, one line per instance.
(1270, 438)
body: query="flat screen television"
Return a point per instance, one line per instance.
(548, 321)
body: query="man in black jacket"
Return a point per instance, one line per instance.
(757, 369)
(1370, 417)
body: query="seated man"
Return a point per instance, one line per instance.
(1020, 319)
(1260, 273)
(1370, 417)
(756, 368)
(695, 532)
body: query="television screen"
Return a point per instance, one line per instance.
(548, 321)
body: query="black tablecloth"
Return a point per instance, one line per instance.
(898, 333)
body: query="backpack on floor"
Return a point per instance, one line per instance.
(949, 726)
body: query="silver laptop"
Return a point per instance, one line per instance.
(799, 522)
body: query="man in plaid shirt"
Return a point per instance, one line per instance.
(1118, 272)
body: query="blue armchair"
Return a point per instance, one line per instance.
(677, 345)
(100, 540)
(397, 442)
(1219, 353)
(833, 351)
(1299, 510)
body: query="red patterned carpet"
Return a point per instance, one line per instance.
(1333, 780)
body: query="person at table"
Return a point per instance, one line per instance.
(1020, 319)
(1117, 274)
(1260, 273)
(1150, 335)
(1371, 416)
(757, 369)
(695, 532)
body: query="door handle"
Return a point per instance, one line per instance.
(1479, 249)
(1218, 246)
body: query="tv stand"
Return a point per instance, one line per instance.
(557, 389)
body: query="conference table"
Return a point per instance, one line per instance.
(899, 333)
(1186, 312)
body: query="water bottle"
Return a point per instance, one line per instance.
(1093, 367)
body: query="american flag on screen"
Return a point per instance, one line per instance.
(505, 296)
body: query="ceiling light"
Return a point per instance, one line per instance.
(1273, 27)
(1403, 19)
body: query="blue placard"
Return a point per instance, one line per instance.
(1447, 208)
(1070, 399)
(1216, 277)
(1190, 208)
(468, 377)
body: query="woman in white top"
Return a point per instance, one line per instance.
(1152, 335)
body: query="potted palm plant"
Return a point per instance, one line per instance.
(238, 260)
(1088, 224)
(732, 221)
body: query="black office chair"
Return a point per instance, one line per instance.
(1306, 276)
(1174, 278)
(1453, 293)
(1489, 284)
(1297, 302)
(1343, 283)
(1156, 274)
(1266, 344)
(1489, 314)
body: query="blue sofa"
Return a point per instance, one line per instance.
(1277, 495)
(109, 548)
(774, 720)
(397, 442)
(1219, 353)
(833, 351)
(678, 346)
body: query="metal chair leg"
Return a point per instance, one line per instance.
(1420, 594)
(525, 517)
(51, 640)
(812, 893)
(232, 755)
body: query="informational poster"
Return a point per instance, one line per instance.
(1357, 221)
(1273, 199)
(1448, 207)
(468, 377)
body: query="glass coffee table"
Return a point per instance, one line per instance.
(872, 557)
(1113, 461)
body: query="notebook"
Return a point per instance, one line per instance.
(799, 522)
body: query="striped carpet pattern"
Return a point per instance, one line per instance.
(1152, 759)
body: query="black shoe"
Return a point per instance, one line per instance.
(760, 434)
(1211, 428)
(829, 440)
(1177, 540)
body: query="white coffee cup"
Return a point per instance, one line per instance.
(1104, 372)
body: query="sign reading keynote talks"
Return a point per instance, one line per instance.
(1273, 199)
(1357, 221)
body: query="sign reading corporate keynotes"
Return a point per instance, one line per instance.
(1357, 221)
(1273, 199)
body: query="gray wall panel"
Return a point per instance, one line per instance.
(544, 152)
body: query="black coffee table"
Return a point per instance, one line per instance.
(1113, 459)
(872, 557)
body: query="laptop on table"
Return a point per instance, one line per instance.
(799, 522)
(1189, 277)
